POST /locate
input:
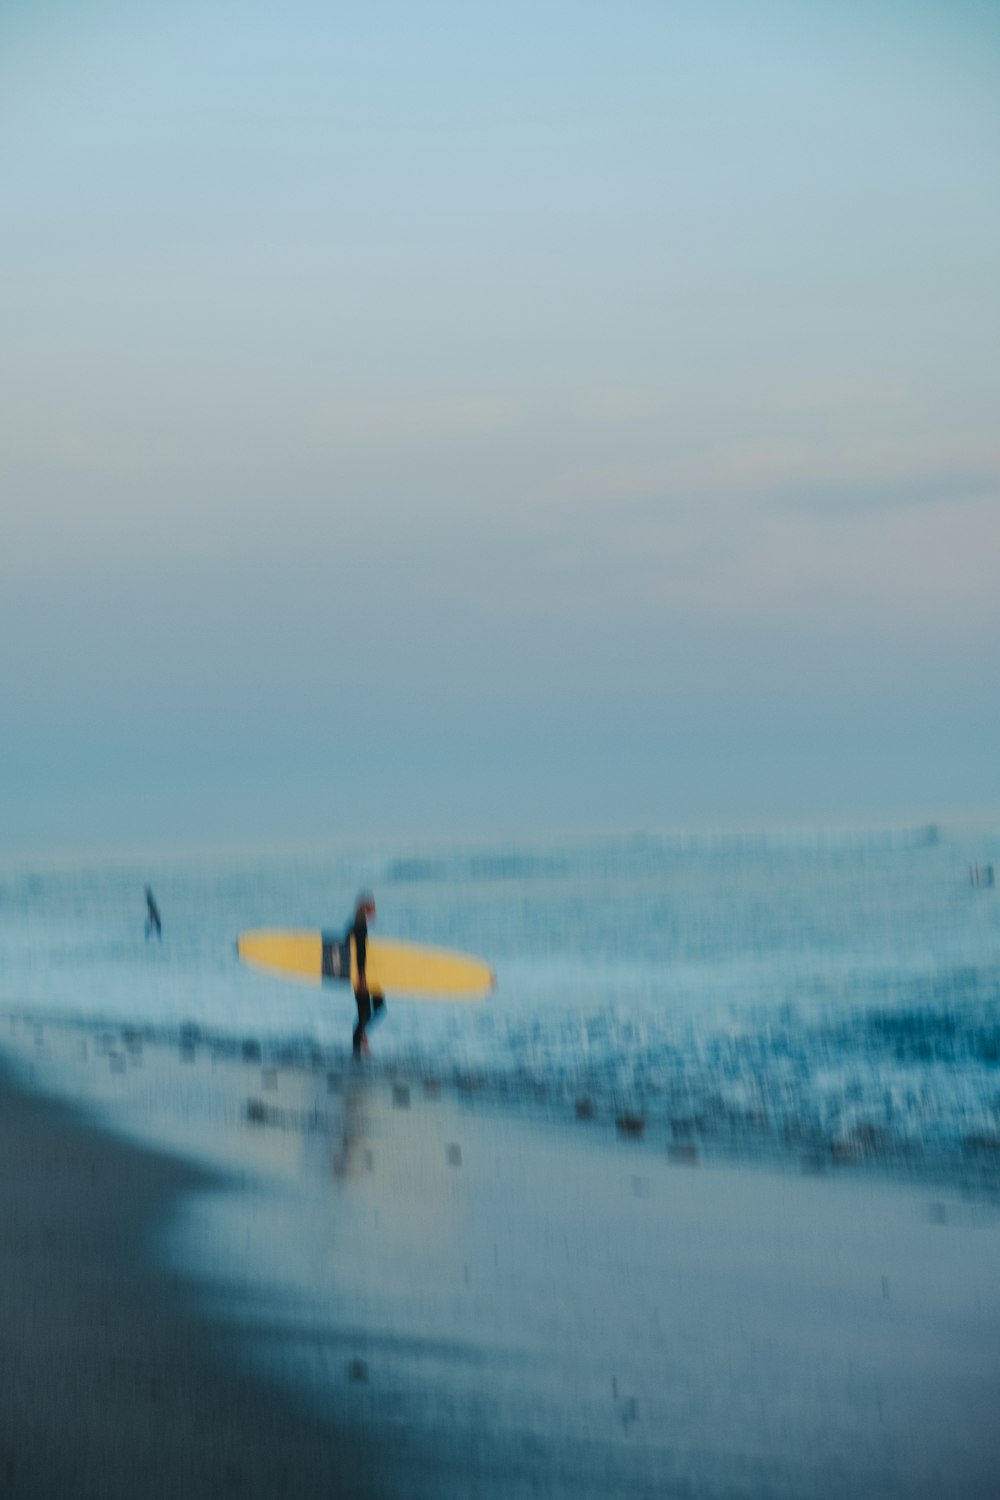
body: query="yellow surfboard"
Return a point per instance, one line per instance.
(392, 968)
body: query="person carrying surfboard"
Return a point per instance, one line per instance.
(364, 912)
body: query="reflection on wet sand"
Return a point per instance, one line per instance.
(353, 1155)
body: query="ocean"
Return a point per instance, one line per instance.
(830, 992)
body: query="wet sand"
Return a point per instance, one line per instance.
(107, 1387)
(293, 1282)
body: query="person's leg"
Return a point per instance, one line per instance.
(364, 1016)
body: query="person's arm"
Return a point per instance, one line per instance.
(361, 956)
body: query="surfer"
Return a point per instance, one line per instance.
(153, 923)
(364, 912)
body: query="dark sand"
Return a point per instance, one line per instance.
(107, 1387)
(384, 1291)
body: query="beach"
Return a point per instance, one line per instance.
(108, 1388)
(220, 1275)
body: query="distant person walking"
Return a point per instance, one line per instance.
(367, 1003)
(153, 923)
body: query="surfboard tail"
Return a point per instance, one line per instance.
(295, 955)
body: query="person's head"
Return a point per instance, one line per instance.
(365, 906)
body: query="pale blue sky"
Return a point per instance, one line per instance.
(453, 417)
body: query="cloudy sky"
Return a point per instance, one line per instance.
(447, 418)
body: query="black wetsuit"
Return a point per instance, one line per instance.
(366, 1002)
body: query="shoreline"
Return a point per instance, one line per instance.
(970, 1165)
(431, 1296)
